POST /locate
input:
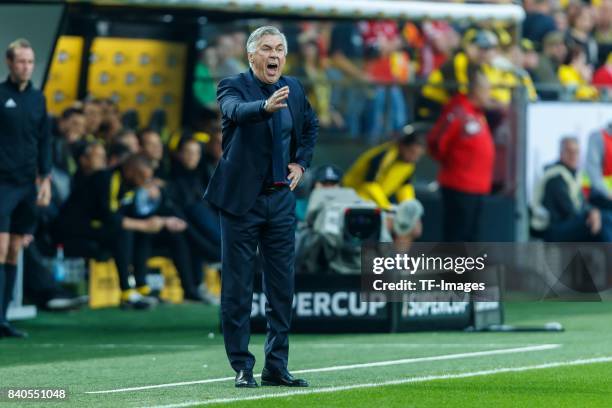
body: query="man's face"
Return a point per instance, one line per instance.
(268, 59)
(130, 140)
(21, 66)
(479, 55)
(570, 154)
(74, 128)
(487, 55)
(109, 109)
(111, 116)
(310, 51)
(138, 176)
(214, 147)
(210, 57)
(190, 155)
(604, 14)
(225, 47)
(411, 153)
(481, 94)
(517, 56)
(239, 41)
(585, 20)
(95, 159)
(531, 60)
(557, 51)
(561, 21)
(152, 146)
(93, 117)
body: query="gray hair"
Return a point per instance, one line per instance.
(253, 41)
(567, 139)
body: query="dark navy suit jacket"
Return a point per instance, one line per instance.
(247, 140)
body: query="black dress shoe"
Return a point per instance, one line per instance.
(276, 378)
(244, 379)
(6, 330)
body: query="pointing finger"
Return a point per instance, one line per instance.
(282, 92)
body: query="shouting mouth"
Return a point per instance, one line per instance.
(272, 68)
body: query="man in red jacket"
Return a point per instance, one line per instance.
(461, 141)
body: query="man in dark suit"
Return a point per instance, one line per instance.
(269, 133)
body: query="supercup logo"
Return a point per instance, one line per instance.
(325, 304)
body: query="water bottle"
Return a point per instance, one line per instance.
(59, 269)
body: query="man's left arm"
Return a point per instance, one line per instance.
(44, 159)
(305, 148)
(310, 131)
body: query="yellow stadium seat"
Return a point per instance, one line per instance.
(104, 288)
(103, 284)
(212, 280)
(172, 291)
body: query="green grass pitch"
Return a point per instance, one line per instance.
(106, 350)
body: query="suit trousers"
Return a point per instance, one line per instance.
(462, 215)
(270, 227)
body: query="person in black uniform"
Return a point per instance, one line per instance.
(185, 188)
(102, 209)
(25, 164)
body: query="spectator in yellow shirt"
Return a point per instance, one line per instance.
(480, 49)
(384, 173)
(576, 73)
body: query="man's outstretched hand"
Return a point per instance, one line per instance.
(276, 101)
(295, 175)
(43, 198)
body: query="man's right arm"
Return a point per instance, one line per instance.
(110, 213)
(148, 225)
(440, 138)
(557, 191)
(356, 174)
(233, 106)
(594, 164)
(347, 66)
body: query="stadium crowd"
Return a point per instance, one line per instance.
(364, 76)
(126, 191)
(120, 190)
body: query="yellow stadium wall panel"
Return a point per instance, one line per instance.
(61, 89)
(144, 75)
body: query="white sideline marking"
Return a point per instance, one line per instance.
(393, 382)
(112, 345)
(540, 347)
(408, 345)
(295, 344)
